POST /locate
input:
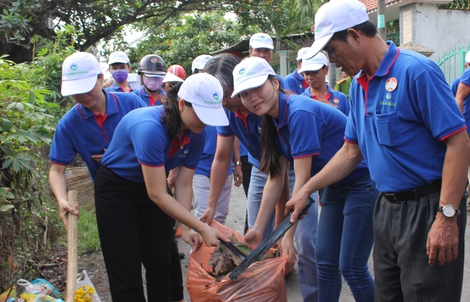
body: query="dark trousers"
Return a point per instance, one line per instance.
(133, 232)
(402, 272)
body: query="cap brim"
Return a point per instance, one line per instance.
(211, 116)
(311, 67)
(261, 45)
(251, 83)
(170, 77)
(79, 86)
(118, 62)
(155, 75)
(318, 46)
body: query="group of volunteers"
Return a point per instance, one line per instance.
(386, 162)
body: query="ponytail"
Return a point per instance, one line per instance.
(172, 116)
(269, 155)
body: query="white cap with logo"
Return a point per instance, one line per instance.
(314, 64)
(200, 61)
(205, 93)
(261, 40)
(118, 57)
(250, 73)
(333, 17)
(79, 73)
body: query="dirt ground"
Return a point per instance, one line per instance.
(94, 264)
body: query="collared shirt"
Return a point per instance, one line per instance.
(247, 130)
(81, 131)
(334, 98)
(142, 139)
(116, 88)
(147, 98)
(400, 117)
(295, 82)
(311, 128)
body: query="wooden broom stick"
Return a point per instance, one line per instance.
(72, 249)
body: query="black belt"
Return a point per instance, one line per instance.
(414, 194)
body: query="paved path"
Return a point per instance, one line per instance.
(236, 220)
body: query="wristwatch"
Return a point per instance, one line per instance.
(448, 210)
(237, 163)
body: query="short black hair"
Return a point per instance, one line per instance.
(367, 28)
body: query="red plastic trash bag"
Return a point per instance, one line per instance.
(263, 281)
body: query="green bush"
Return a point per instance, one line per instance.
(30, 106)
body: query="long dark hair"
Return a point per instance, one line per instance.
(172, 116)
(269, 155)
(221, 67)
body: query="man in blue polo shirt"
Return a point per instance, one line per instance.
(315, 70)
(417, 151)
(261, 45)
(295, 81)
(89, 126)
(119, 67)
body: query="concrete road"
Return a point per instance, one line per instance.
(236, 220)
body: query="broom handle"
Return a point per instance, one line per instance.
(72, 249)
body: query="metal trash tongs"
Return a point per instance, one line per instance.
(267, 243)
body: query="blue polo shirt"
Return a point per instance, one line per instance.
(311, 128)
(81, 131)
(400, 118)
(295, 82)
(464, 79)
(116, 88)
(247, 130)
(142, 139)
(207, 156)
(148, 99)
(334, 98)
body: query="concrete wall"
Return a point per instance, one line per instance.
(434, 28)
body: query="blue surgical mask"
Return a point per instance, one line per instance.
(153, 84)
(120, 76)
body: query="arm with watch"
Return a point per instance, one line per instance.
(237, 164)
(443, 237)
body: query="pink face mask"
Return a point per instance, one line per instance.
(153, 84)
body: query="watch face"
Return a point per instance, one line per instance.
(448, 211)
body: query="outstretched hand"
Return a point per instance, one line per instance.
(254, 237)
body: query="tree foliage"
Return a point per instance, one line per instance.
(181, 40)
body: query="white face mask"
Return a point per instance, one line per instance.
(153, 84)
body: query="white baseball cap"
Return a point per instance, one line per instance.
(118, 57)
(170, 77)
(467, 57)
(302, 52)
(79, 73)
(200, 61)
(205, 93)
(335, 16)
(314, 64)
(250, 73)
(261, 40)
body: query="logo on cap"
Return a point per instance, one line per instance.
(154, 60)
(74, 67)
(242, 71)
(216, 96)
